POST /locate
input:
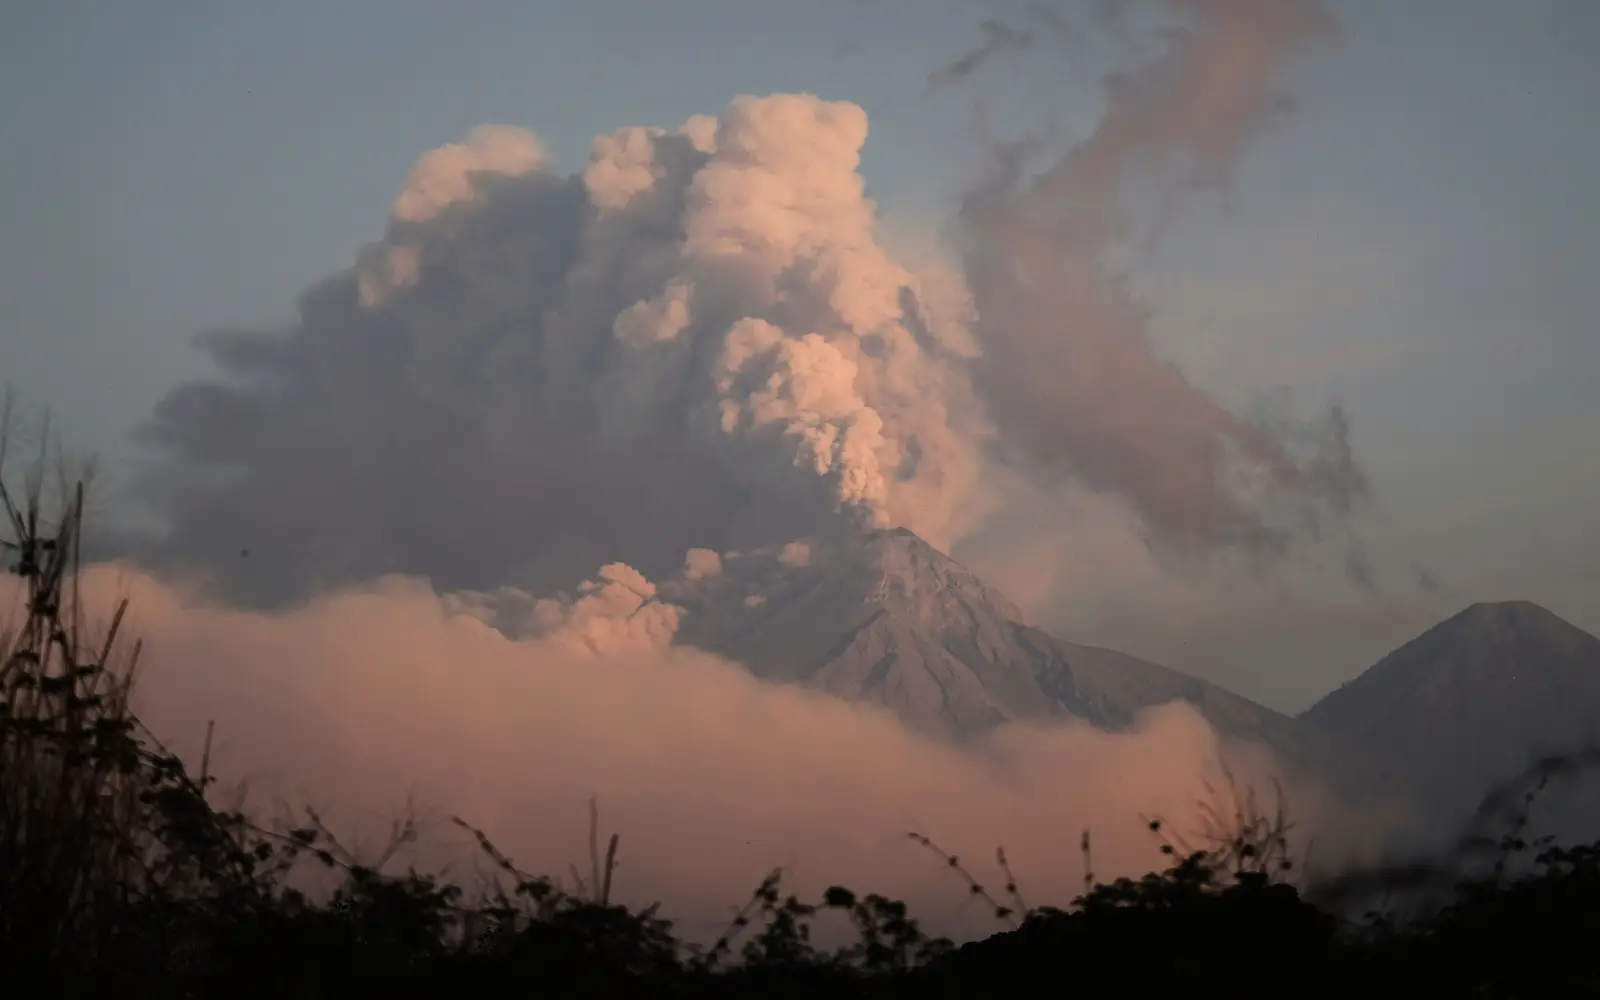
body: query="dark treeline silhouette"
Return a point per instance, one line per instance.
(120, 876)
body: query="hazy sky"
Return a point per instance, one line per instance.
(1417, 241)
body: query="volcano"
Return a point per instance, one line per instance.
(889, 620)
(1472, 702)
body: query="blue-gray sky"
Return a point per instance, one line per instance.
(1417, 241)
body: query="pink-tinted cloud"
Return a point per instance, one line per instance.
(1068, 369)
(361, 700)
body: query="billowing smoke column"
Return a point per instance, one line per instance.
(695, 342)
(1068, 370)
(698, 342)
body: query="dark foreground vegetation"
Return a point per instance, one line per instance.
(121, 876)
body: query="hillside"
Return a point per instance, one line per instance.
(1471, 701)
(888, 619)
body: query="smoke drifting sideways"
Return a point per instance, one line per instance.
(694, 342)
(362, 700)
(697, 341)
(1068, 371)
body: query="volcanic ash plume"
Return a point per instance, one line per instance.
(1069, 373)
(697, 341)
(694, 342)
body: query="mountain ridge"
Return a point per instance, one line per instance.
(885, 618)
(888, 619)
(1472, 701)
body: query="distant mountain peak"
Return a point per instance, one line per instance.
(1475, 646)
(1506, 629)
(1515, 606)
(1524, 617)
(1472, 700)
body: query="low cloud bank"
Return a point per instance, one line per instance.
(368, 698)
